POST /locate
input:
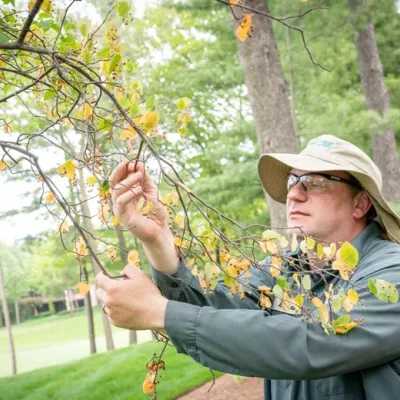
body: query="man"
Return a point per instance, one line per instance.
(333, 192)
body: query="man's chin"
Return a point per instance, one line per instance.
(296, 230)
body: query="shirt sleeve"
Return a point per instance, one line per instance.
(253, 343)
(183, 286)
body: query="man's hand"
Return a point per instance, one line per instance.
(128, 186)
(134, 303)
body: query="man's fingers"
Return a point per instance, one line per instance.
(131, 272)
(123, 169)
(121, 202)
(131, 183)
(101, 295)
(104, 282)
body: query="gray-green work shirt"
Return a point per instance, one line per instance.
(296, 358)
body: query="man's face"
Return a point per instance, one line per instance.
(323, 213)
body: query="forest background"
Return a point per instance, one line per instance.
(188, 49)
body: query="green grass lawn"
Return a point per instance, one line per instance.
(114, 375)
(51, 330)
(54, 340)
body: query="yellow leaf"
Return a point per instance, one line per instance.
(178, 242)
(347, 304)
(270, 234)
(265, 289)
(272, 247)
(80, 247)
(296, 278)
(344, 274)
(338, 265)
(324, 313)
(320, 251)
(112, 253)
(68, 169)
(63, 227)
(353, 296)
(133, 257)
(299, 300)
(87, 110)
(83, 288)
(283, 243)
(310, 242)
(274, 271)
(244, 29)
(294, 243)
(7, 129)
(303, 246)
(265, 301)
(179, 220)
(91, 180)
(148, 385)
(348, 255)
(233, 1)
(148, 208)
(115, 221)
(149, 121)
(3, 166)
(317, 302)
(50, 198)
(128, 133)
(343, 329)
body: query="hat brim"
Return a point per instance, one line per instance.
(274, 168)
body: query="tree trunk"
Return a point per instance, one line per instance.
(124, 258)
(1, 317)
(17, 315)
(87, 224)
(89, 314)
(6, 313)
(268, 94)
(376, 97)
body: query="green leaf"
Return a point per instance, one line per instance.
(114, 62)
(69, 25)
(123, 9)
(306, 282)
(87, 57)
(281, 281)
(394, 297)
(49, 94)
(348, 255)
(9, 2)
(83, 29)
(134, 110)
(372, 287)
(337, 304)
(277, 291)
(150, 102)
(105, 185)
(3, 38)
(129, 66)
(183, 104)
(343, 319)
(103, 53)
(228, 280)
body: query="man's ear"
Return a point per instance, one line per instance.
(362, 204)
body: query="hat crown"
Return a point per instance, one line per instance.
(344, 154)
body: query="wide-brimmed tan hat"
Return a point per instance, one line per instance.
(329, 153)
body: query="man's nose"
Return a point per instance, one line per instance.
(297, 193)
